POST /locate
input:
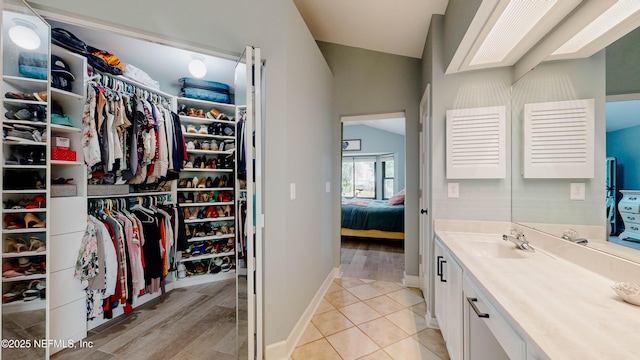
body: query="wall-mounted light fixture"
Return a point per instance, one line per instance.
(23, 34)
(197, 67)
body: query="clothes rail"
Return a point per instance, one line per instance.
(120, 84)
(159, 193)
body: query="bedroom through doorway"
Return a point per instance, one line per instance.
(372, 206)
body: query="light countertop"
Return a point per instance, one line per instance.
(567, 311)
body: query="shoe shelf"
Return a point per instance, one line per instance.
(204, 204)
(207, 256)
(25, 166)
(25, 84)
(204, 121)
(23, 231)
(209, 152)
(17, 211)
(26, 191)
(205, 189)
(66, 94)
(213, 237)
(22, 305)
(25, 277)
(18, 102)
(25, 122)
(10, 255)
(208, 136)
(221, 218)
(65, 162)
(205, 170)
(206, 105)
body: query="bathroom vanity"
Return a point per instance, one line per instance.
(495, 301)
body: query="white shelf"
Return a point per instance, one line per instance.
(18, 102)
(207, 256)
(204, 279)
(204, 121)
(208, 136)
(24, 278)
(205, 189)
(156, 193)
(21, 305)
(65, 162)
(24, 167)
(9, 255)
(65, 129)
(207, 105)
(206, 170)
(24, 231)
(222, 218)
(26, 191)
(24, 81)
(26, 122)
(67, 94)
(14, 211)
(214, 237)
(199, 204)
(209, 152)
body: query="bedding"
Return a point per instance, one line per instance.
(362, 214)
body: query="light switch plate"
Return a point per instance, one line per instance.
(453, 190)
(327, 186)
(292, 191)
(577, 191)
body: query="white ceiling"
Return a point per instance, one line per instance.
(395, 125)
(396, 27)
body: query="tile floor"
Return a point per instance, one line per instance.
(370, 319)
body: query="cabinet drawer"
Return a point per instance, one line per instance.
(68, 215)
(512, 344)
(635, 227)
(64, 289)
(630, 218)
(69, 322)
(629, 206)
(64, 250)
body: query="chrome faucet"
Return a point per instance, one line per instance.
(517, 237)
(572, 236)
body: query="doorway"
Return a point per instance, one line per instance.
(372, 206)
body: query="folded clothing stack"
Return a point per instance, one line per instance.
(205, 90)
(34, 65)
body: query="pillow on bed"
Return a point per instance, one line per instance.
(397, 199)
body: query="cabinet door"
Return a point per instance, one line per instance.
(440, 289)
(454, 306)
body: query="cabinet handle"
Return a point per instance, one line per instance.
(631, 218)
(472, 302)
(442, 279)
(439, 266)
(627, 207)
(633, 198)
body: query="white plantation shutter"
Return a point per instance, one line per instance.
(476, 142)
(559, 139)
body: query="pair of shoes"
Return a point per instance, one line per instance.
(32, 221)
(202, 183)
(205, 145)
(216, 114)
(15, 245)
(191, 129)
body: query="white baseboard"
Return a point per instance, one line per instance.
(411, 280)
(284, 349)
(432, 322)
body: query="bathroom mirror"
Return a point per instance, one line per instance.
(545, 204)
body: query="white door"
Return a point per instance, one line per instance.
(249, 74)
(425, 245)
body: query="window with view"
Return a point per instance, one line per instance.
(388, 176)
(359, 177)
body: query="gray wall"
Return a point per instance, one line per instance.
(300, 234)
(547, 200)
(459, 15)
(376, 141)
(623, 65)
(370, 82)
(484, 199)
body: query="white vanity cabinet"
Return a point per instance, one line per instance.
(629, 207)
(470, 323)
(448, 300)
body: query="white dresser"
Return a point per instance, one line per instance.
(629, 207)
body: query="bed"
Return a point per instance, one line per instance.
(372, 218)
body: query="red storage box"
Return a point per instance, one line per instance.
(61, 154)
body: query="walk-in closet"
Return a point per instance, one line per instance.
(129, 187)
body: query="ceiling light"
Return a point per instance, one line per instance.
(197, 67)
(24, 35)
(515, 22)
(612, 18)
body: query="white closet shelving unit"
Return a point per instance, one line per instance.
(211, 228)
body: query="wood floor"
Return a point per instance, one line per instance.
(197, 322)
(375, 259)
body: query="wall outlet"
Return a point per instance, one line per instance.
(577, 191)
(327, 186)
(292, 191)
(453, 190)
